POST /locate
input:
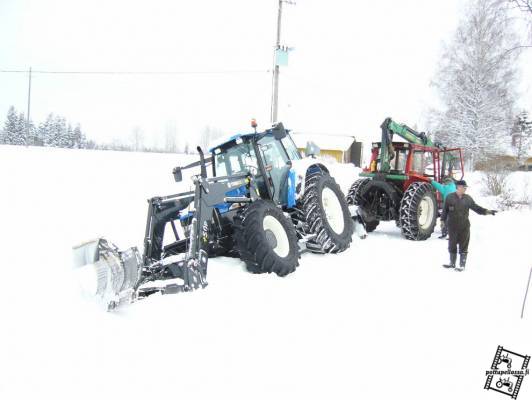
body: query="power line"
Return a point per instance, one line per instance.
(214, 72)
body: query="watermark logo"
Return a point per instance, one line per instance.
(507, 372)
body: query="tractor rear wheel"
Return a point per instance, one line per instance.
(266, 239)
(418, 211)
(326, 215)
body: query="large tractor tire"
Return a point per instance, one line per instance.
(418, 211)
(353, 196)
(266, 240)
(326, 214)
(377, 200)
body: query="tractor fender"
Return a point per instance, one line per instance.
(301, 168)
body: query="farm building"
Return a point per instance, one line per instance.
(507, 157)
(341, 148)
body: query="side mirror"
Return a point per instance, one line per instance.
(178, 176)
(278, 131)
(312, 150)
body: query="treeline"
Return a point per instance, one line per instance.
(55, 131)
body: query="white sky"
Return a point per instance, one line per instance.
(355, 63)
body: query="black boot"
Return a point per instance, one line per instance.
(453, 261)
(463, 259)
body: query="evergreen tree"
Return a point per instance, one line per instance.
(522, 136)
(80, 141)
(58, 132)
(32, 139)
(71, 142)
(45, 133)
(10, 126)
(20, 137)
(477, 80)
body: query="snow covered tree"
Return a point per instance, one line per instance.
(80, 141)
(20, 137)
(44, 132)
(10, 127)
(55, 133)
(69, 136)
(476, 82)
(522, 136)
(526, 7)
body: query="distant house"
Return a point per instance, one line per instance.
(508, 157)
(342, 148)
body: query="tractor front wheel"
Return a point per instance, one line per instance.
(418, 211)
(353, 196)
(266, 239)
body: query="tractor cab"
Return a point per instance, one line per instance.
(266, 156)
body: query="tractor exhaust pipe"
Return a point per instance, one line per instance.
(107, 274)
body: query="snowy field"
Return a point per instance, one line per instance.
(382, 320)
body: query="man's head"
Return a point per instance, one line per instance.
(461, 187)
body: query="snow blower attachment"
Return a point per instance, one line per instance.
(264, 204)
(107, 273)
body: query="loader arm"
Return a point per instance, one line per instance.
(192, 265)
(389, 127)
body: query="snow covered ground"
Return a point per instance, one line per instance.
(382, 320)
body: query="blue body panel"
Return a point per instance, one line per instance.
(238, 192)
(291, 200)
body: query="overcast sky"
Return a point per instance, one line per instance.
(354, 63)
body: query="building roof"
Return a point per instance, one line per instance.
(323, 141)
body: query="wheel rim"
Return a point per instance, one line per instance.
(333, 210)
(274, 229)
(425, 212)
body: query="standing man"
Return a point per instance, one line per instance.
(445, 188)
(456, 215)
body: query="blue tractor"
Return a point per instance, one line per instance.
(262, 202)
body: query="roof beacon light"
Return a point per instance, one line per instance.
(254, 124)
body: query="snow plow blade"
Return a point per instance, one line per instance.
(107, 274)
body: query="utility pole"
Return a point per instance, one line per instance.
(275, 90)
(275, 93)
(29, 106)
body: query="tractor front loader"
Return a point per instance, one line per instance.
(124, 276)
(264, 204)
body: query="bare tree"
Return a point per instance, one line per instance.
(137, 139)
(208, 135)
(523, 5)
(526, 7)
(170, 137)
(476, 81)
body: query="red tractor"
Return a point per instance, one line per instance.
(396, 186)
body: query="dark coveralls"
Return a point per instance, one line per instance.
(456, 213)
